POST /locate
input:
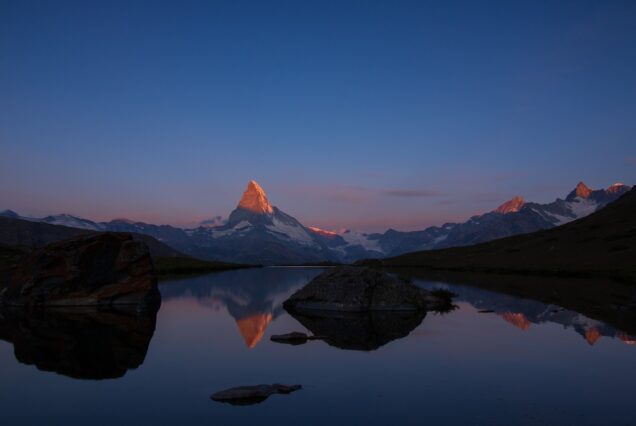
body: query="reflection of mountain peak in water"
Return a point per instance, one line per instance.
(592, 335)
(630, 340)
(521, 313)
(253, 328)
(517, 319)
(253, 297)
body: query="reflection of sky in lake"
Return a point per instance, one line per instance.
(461, 368)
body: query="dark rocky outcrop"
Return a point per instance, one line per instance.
(355, 289)
(94, 269)
(247, 395)
(83, 343)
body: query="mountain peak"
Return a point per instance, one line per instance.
(9, 213)
(254, 199)
(511, 206)
(582, 190)
(616, 187)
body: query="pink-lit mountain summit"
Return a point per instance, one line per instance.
(254, 199)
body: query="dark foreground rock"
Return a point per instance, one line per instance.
(95, 269)
(293, 338)
(362, 331)
(355, 289)
(83, 343)
(247, 395)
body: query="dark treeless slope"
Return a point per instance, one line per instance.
(601, 244)
(17, 235)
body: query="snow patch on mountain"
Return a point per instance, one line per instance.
(291, 232)
(214, 222)
(581, 207)
(72, 222)
(354, 238)
(240, 227)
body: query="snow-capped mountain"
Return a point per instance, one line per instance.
(511, 218)
(513, 205)
(10, 214)
(258, 232)
(59, 219)
(73, 222)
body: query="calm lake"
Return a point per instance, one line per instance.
(523, 363)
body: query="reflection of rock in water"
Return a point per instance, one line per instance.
(83, 343)
(363, 331)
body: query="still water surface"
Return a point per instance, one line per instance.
(524, 363)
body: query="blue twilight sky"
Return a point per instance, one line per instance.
(350, 114)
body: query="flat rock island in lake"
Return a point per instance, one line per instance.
(356, 289)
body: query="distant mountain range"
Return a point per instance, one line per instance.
(29, 234)
(601, 244)
(257, 232)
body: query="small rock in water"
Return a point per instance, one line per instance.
(247, 395)
(293, 338)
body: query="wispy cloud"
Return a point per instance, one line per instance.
(358, 194)
(337, 193)
(411, 193)
(631, 161)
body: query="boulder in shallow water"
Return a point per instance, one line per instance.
(95, 269)
(356, 289)
(247, 395)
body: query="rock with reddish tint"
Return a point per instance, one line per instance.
(248, 395)
(97, 269)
